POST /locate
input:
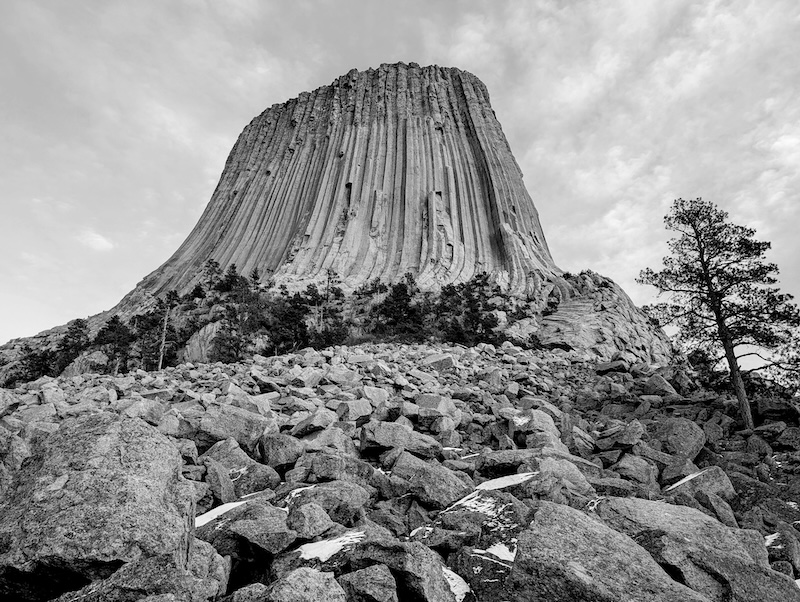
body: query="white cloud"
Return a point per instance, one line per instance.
(611, 108)
(94, 240)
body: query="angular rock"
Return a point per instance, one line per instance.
(439, 362)
(536, 428)
(101, 492)
(219, 481)
(680, 437)
(377, 437)
(344, 502)
(269, 530)
(305, 585)
(721, 563)
(246, 475)
(159, 578)
(221, 422)
(636, 468)
(249, 593)
(321, 419)
(658, 385)
(308, 520)
(565, 555)
(711, 480)
(279, 451)
(432, 483)
(372, 584)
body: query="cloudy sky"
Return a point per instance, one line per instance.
(116, 118)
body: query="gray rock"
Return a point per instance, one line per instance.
(333, 439)
(417, 569)
(159, 578)
(221, 531)
(680, 437)
(355, 410)
(221, 422)
(219, 481)
(658, 385)
(268, 530)
(100, 492)
(718, 506)
(377, 437)
(344, 502)
(535, 428)
(559, 481)
(482, 530)
(13, 449)
(246, 475)
(565, 555)
(249, 593)
(721, 563)
(279, 451)
(308, 520)
(636, 468)
(321, 419)
(711, 480)
(305, 585)
(789, 439)
(439, 362)
(372, 584)
(431, 483)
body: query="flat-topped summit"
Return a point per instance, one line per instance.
(385, 171)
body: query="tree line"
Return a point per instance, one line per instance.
(256, 316)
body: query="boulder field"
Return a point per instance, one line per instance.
(379, 473)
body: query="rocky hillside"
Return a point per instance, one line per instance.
(393, 473)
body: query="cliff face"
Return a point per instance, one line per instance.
(386, 171)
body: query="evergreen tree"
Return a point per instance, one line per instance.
(212, 274)
(36, 363)
(71, 344)
(116, 337)
(721, 291)
(397, 315)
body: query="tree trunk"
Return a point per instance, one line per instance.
(738, 385)
(163, 340)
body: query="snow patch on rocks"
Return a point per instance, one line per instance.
(324, 550)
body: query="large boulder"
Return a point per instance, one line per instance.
(246, 475)
(221, 422)
(377, 437)
(724, 564)
(100, 492)
(158, 577)
(305, 585)
(566, 555)
(430, 482)
(680, 436)
(372, 584)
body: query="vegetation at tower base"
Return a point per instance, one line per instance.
(722, 294)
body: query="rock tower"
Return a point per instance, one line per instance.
(385, 171)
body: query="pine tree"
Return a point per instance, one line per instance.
(721, 293)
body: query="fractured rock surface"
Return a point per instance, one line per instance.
(100, 492)
(385, 171)
(483, 474)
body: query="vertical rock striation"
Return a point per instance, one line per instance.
(385, 171)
